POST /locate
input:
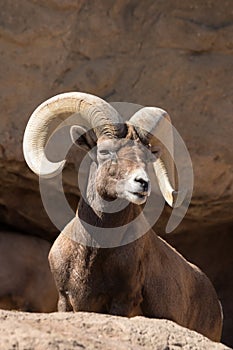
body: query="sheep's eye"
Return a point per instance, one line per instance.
(104, 152)
(156, 151)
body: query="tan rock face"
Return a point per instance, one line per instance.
(26, 281)
(175, 55)
(96, 331)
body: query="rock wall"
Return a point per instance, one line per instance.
(173, 54)
(170, 54)
(26, 282)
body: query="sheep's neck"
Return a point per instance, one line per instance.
(108, 230)
(91, 214)
(97, 214)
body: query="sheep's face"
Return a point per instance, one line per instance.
(122, 169)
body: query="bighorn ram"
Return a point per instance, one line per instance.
(26, 282)
(146, 277)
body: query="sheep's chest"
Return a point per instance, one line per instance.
(102, 281)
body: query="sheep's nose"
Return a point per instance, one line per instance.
(143, 182)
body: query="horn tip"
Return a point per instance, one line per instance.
(178, 198)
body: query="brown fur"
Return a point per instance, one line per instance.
(146, 277)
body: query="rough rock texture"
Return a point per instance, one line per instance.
(94, 331)
(26, 282)
(172, 54)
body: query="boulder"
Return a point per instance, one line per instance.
(26, 282)
(80, 330)
(177, 56)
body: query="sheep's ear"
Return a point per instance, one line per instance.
(82, 137)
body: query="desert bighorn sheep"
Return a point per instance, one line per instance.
(146, 277)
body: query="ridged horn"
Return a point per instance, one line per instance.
(96, 113)
(154, 126)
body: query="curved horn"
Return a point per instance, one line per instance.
(154, 126)
(94, 111)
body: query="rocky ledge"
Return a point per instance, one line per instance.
(66, 331)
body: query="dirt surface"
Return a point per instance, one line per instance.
(66, 331)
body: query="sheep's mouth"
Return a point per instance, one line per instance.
(139, 195)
